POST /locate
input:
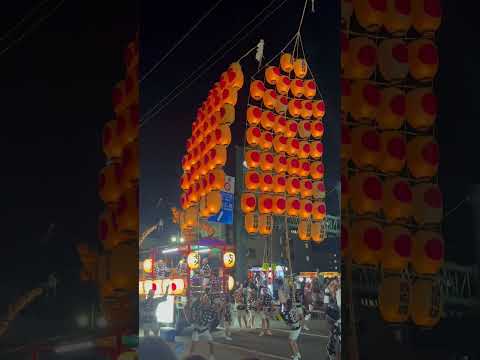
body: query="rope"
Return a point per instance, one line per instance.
(179, 42)
(457, 206)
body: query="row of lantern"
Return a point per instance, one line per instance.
(393, 58)
(216, 157)
(390, 152)
(396, 17)
(393, 247)
(194, 190)
(390, 107)
(175, 287)
(280, 163)
(209, 204)
(279, 183)
(366, 193)
(119, 132)
(298, 88)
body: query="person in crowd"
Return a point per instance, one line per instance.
(290, 316)
(161, 269)
(205, 272)
(148, 309)
(182, 267)
(227, 316)
(202, 315)
(215, 287)
(266, 310)
(252, 305)
(283, 293)
(240, 306)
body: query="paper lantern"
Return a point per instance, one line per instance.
(427, 302)
(214, 201)
(319, 211)
(397, 251)
(423, 156)
(366, 193)
(215, 120)
(346, 11)
(306, 188)
(204, 210)
(367, 242)
(265, 204)
(108, 233)
(267, 120)
(398, 199)
(428, 252)
(266, 182)
(318, 190)
(253, 136)
(269, 98)
(147, 265)
(281, 105)
(293, 166)
(292, 128)
(272, 74)
(394, 299)
(300, 68)
(254, 115)
(267, 161)
(223, 135)
(128, 125)
(235, 76)
(283, 85)
(393, 155)
(423, 59)
(204, 186)
(286, 62)
(398, 17)
(393, 59)
(427, 204)
(345, 241)
(123, 267)
(346, 143)
(293, 186)
(370, 13)
(304, 229)
(279, 183)
(316, 150)
(127, 212)
(266, 141)
(252, 158)
(318, 231)
(392, 110)
(227, 115)
(344, 49)
(318, 109)
(293, 146)
(307, 109)
(193, 260)
(304, 170)
(317, 170)
(229, 260)
(294, 107)
(248, 203)
(280, 163)
(265, 224)
(426, 15)
(280, 125)
(362, 58)
(252, 180)
(130, 167)
(345, 96)
(366, 147)
(119, 97)
(366, 99)
(280, 143)
(304, 129)
(110, 142)
(218, 155)
(309, 88)
(345, 186)
(306, 208)
(251, 223)
(231, 283)
(193, 193)
(279, 205)
(304, 151)
(216, 179)
(422, 107)
(297, 88)
(109, 183)
(257, 89)
(229, 96)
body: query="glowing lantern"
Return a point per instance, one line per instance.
(427, 204)
(218, 155)
(427, 15)
(216, 179)
(280, 143)
(251, 223)
(282, 104)
(248, 203)
(252, 180)
(319, 211)
(295, 107)
(223, 135)
(344, 181)
(229, 96)
(128, 125)
(345, 242)
(345, 96)
(344, 49)
(307, 109)
(266, 182)
(421, 108)
(254, 115)
(293, 185)
(393, 156)
(215, 120)
(366, 193)
(346, 11)
(272, 74)
(366, 146)
(265, 204)
(309, 88)
(304, 170)
(366, 99)
(193, 260)
(318, 190)
(108, 231)
(253, 135)
(214, 201)
(268, 120)
(130, 167)
(297, 87)
(280, 125)
(265, 224)
(392, 111)
(398, 18)
(231, 283)
(127, 212)
(367, 242)
(305, 229)
(423, 59)
(280, 163)
(306, 188)
(305, 129)
(397, 252)
(252, 158)
(427, 302)
(279, 205)
(362, 58)
(318, 109)
(428, 252)
(269, 98)
(109, 183)
(422, 156)
(110, 142)
(292, 128)
(293, 166)
(318, 231)
(177, 287)
(398, 199)
(316, 150)
(317, 129)
(370, 13)
(293, 146)
(300, 68)
(304, 151)
(119, 97)
(235, 76)
(229, 260)
(393, 59)
(257, 89)
(317, 170)
(204, 211)
(204, 186)
(147, 265)
(279, 183)
(283, 85)
(394, 299)
(227, 115)
(286, 62)
(123, 267)
(306, 209)
(191, 217)
(266, 141)
(267, 161)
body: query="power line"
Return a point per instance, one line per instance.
(209, 67)
(209, 59)
(32, 28)
(177, 44)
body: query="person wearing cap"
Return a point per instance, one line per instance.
(149, 308)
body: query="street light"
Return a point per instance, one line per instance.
(182, 240)
(174, 239)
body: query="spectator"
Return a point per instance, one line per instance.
(290, 316)
(240, 306)
(265, 310)
(202, 315)
(252, 305)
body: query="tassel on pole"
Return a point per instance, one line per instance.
(259, 54)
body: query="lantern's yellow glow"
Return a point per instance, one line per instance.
(147, 265)
(193, 260)
(229, 260)
(231, 283)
